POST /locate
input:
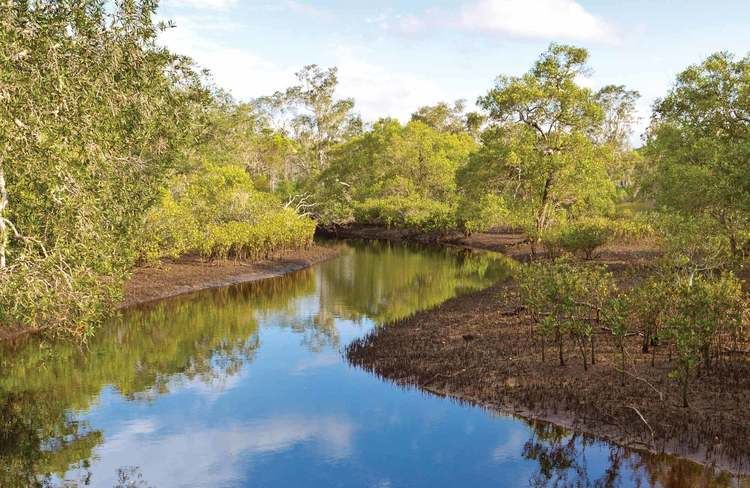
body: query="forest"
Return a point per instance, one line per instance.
(139, 158)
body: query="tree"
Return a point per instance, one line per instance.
(240, 134)
(447, 118)
(705, 307)
(401, 171)
(566, 299)
(318, 120)
(618, 105)
(91, 144)
(541, 149)
(616, 317)
(699, 141)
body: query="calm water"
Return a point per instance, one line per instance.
(247, 386)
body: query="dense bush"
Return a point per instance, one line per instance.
(47, 293)
(216, 212)
(395, 175)
(89, 146)
(484, 213)
(584, 237)
(277, 231)
(412, 212)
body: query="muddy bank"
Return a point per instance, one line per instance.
(509, 242)
(187, 275)
(482, 349)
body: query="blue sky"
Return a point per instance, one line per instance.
(394, 56)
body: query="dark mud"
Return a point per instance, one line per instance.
(481, 348)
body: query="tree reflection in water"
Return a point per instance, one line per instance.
(46, 389)
(208, 337)
(561, 461)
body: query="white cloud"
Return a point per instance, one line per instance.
(238, 70)
(545, 19)
(305, 9)
(211, 456)
(379, 91)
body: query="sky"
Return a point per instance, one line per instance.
(395, 56)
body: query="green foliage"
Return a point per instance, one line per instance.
(91, 145)
(409, 212)
(217, 212)
(697, 315)
(564, 298)
(545, 149)
(319, 121)
(485, 213)
(173, 231)
(446, 118)
(704, 309)
(276, 231)
(694, 243)
(584, 237)
(391, 165)
(698, 140)
(649, 303)
(615, 316)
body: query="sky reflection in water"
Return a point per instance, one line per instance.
(247, 387)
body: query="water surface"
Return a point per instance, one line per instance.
(247, 386)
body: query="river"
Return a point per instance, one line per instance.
(247, 386)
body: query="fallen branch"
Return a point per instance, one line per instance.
(653, 442)
(661, 395)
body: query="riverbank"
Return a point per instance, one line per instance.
(188, 275)
(480, 348)
(511, 243)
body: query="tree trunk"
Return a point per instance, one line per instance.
(685, 390)
(593, 357)
(582, 345)
(4, 230)
(541, 218)
(593, 335)
(560, 346)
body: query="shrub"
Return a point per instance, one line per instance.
(277, 231)
(565, 299)
(584, 237)
(48, 294)
(171, 231)
(412, 212)
(705, 308)
(217, 213)
(551, 240)
(477, 215)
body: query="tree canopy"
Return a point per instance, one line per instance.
(699, 140)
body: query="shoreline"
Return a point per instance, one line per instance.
(150, 284)
(448, 351)
(169, 279)
(477, 348)
(433, 351)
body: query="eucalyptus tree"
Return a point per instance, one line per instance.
(449, 118)
(699, 140)
(317, 119)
